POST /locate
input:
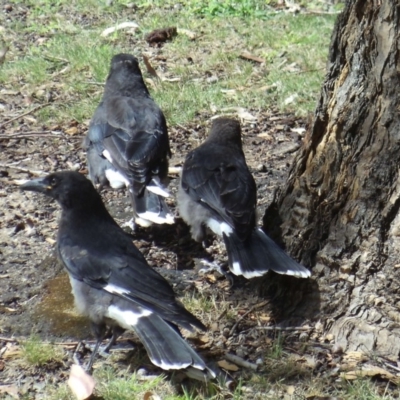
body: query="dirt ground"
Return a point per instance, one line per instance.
(35, 294)
(34, 291)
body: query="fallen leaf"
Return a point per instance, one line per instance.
(368, 370)
(300, 131)
(227, 365)
(3, 51)
(12, 351)
(80, 382)
(245, 115)
(149, 67)
(151, 396)
(190, 34)
(72, 131)
(290, 390)
(130, 26)
(265, 135)
(161, 35)
(11, 390)
(50, 240)
(352, 358)
(250, 57)
(242, 113)
(290, 99)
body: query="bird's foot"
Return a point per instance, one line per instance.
(76, 357)
(130, 224)
(211, 266)
(221, 269)
(104, 350)
(206, 244)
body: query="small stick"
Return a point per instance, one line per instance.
(279, 328)
(263, 303)
(392, 366)
(239, 361)
(26, 113)
(95, 83)
(320, 12)
(9, 340)
(27, 135)
(29, 171)
(306, 71)
(174, 170)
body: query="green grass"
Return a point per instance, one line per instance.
(123, 385)
(66, 55)
(38, 354)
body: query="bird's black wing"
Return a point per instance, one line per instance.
(119, 268)
(217, 177)
(93, 144)
(137, 139)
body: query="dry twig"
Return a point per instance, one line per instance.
(263, 303)
(239, 361)
(29, 171)
(26, 113)
(29, 135)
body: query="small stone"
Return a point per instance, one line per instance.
(214, 327)
(141, 372)
(261, 168)
(337, 349)
(329, 337)
(225, 332)
(241, 352)
(212, 79)
(8, 7)
(303, 336)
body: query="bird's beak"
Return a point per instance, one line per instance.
(36, 185)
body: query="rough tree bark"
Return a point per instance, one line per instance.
(339, 211)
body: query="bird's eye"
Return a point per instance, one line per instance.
(53, 181)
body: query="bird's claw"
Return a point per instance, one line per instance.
(214, 266)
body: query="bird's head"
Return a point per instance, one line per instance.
(126, 60)
(226, 130)
(125, 75)
(69, 188)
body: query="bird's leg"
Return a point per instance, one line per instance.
(100, 331)
(116, 332)
(93, 356)
(77, 361)
(221, 269)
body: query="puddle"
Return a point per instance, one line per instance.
(57, 311)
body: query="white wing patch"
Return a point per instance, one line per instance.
(155, 187)
(154, 217)
(110, 288)
(126, 318)
(219, 227)
(116, 179)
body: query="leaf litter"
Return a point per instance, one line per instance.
(236, 340)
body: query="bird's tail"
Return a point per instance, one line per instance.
(168, 350)
(151, 207)
(259, 254)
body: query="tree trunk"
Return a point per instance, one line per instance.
(339, 211)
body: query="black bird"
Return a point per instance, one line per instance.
(111, 281)
(218, 192)
(127, 143)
